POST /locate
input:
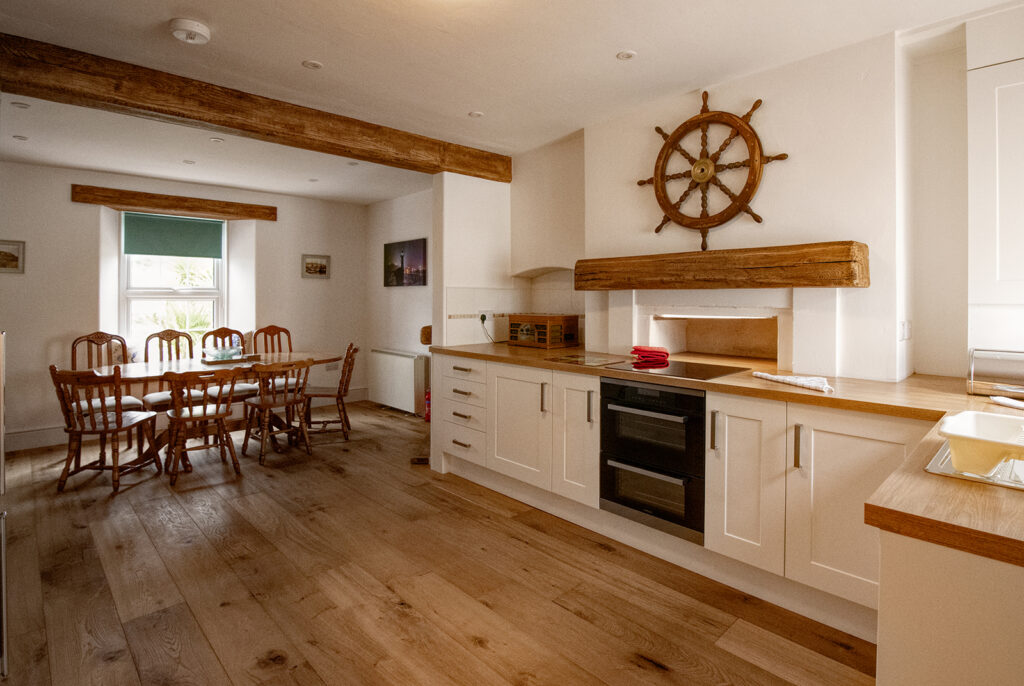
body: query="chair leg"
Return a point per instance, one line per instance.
(344, 415)
(176, 450)
(74, 450)
(264, 433)
(103, 452)
(341, 418)
(307, 412)
(225, 437)
(248, 428)
(115, 474)
(304, 433)
(148, 430)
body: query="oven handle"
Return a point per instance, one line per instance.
(647, 413)
(644, 472)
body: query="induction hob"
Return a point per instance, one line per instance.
(682, 370)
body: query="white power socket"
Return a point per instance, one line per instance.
(487, 319)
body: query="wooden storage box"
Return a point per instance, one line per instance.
(544, 330)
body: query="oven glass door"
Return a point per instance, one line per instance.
(658, 441)
(679, 500)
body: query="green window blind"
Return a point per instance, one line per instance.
(159, 234)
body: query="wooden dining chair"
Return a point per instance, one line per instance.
(337, 394)
(223, 337)
(102, 349)
(272, 339)
(200, 405)
(280, 403)
(93, 405)
(169, 344)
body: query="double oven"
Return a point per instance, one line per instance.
(652, 455)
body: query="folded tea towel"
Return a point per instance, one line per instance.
(649, 349)
(645, 353)
(815, 383)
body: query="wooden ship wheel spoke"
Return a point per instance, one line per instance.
(705, 169)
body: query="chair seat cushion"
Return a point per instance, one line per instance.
(198, 412)
(128, 402)
(163, 398)
(242, 390)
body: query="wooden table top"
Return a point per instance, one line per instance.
(976, 518)
(153, 370)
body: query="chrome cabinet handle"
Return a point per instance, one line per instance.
(461, 416)
(461, 369)
(714, 429)
(796, 445)
(461, 444)
(637, 470)
(543, 390)
(590, 403)
(461, 392)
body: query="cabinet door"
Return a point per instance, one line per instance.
(519, 419)
(577, 437)
(745, 508)
(843, 457)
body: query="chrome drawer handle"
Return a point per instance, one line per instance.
(644, 472)
(461, 416)
(461, 392)
(462, 369)
(461, 444)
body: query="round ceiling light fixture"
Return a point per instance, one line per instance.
(625, 54)
(188, 161)
(215, 139)
(190, 31)
(312, 64)
(475, 114)
(20, 105)
(19, 137)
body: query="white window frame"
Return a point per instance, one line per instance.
(126, 295)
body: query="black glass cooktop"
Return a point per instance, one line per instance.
(682, 370)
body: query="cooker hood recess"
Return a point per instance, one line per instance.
(836, 264)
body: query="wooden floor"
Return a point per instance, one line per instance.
(353, 567)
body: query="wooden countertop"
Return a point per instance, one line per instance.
(976, 518)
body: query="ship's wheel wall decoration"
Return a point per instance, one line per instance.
(705, 169)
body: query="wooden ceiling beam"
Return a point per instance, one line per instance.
(180, 205)
(49, 72)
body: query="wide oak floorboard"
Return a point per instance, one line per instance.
(353, 567)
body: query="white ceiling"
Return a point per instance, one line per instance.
(537, 69)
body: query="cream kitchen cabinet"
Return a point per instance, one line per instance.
(459, 408)
(786, 486)
(520, 423)
(576, 450)
(745, 480)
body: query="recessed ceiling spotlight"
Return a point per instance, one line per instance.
(20, 105)
(353, 164)
(20, 138)
(188, 161)
(625, 54)
(313, 180)
(312, 64)
(475, 114)
(214, 139)
(190, 31)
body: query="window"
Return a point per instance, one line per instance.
(172, 275)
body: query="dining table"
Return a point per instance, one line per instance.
(141, 372)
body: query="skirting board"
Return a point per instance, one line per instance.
(836, 612)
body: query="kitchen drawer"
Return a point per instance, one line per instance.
(464, 414)
(462, 391)
(467, 444)
(464, 368)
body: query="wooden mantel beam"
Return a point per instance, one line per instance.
(838, 264)
(49, 72)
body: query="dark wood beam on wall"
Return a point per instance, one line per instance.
(50, 72)
(136, 201)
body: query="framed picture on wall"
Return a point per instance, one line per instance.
(12, 257)
(405, 263)
(316, 266)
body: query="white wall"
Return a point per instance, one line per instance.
(937, 208)
(835, 116)
(548, 206)
(57, 299)
(472, 246)
(395, 315)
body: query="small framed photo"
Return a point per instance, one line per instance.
(12, 257)
(316, 266)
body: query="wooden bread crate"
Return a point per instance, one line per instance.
(544, 330)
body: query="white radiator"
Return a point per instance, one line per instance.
(398, 379)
